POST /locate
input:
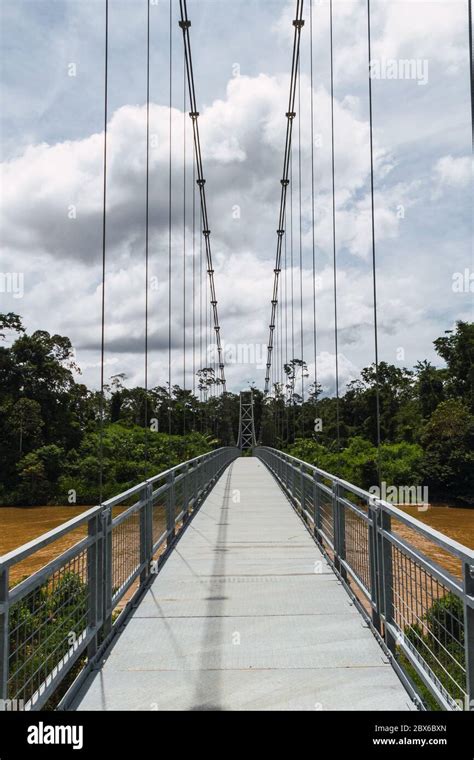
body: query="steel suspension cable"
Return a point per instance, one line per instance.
(312, 196)
(298, 23)
(374, 269)
(206, 312)
(170, 189)
(201, 355)
(104, 248)
(471, 68)
(286, 331)
(184, 245)
(292, 295)
(147, 210)
(184, 226)
(300, 243)
(334, 229)
(194, 114)
(194, 273)
(292, 264)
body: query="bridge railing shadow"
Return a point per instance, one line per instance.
(414, 585)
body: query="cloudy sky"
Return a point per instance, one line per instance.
(52, 139)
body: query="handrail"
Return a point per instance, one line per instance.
(16, 555)
(85, 592)
(463, 552)
(423, 613)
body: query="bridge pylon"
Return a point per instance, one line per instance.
(246, 438)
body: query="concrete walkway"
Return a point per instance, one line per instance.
(245, 615)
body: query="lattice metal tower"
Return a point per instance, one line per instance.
(246, 422)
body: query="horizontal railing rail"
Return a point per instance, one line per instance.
(414, 584)
(56, 621)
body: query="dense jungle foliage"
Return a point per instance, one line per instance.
(50, 422)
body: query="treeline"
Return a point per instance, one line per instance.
(426, 422)
(50, 423)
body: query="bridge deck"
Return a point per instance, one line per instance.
(245, 614)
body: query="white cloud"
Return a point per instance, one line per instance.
(451, 172)
(242, 135)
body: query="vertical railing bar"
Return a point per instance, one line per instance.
(195, 484)
(373, 562)
(146, 532)
(468, 585)
(302, 491)
(386, 577)
(342, 529)
(170, 509)
(335, 524)
(107, 569)
(4, 633)
(94, 582)
(316, 507)
(186, 493)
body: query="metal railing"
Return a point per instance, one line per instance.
(396, 567)
(57, 620)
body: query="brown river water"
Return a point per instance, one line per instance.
(18, 525)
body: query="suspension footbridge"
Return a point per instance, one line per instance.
(243, 578)
(246, 614)
(240, 582)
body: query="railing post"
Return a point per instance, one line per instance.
(316, 508)
(468, 586)
(386, 575)
(372, 512)
(94, 581)
(302, 492)
(197, 482)
(170, 509)
(4, 634)
(339, 516)
(335, 524)
(186, 492)
(146, 531)
(106, 570)
(195, 468)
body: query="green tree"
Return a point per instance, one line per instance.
(457, 349)
(448, 462)
(430, 387)
(26, 423)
